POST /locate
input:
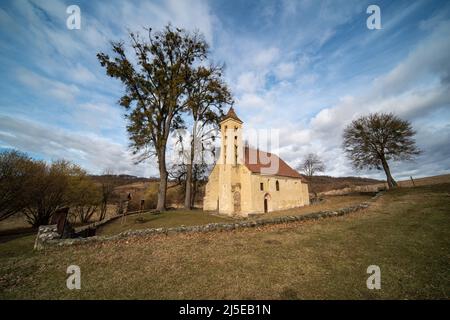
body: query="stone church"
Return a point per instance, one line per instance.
(243, 181)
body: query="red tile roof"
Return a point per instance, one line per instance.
(284, 169)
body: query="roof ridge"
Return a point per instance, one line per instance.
(284, 169)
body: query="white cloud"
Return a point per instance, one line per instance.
(250, 82)
(251, 100)
(93, 152)
(285, 70)
(43, 85)
(265, 57)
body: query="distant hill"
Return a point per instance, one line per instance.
(122, 179)
(327, 183)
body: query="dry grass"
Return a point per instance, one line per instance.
(426, 181)
(406, 232)
(167, 219)
(174, 218)
(329, 203)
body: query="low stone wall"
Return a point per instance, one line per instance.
(47, 240)
(45, 233)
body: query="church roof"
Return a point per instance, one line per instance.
(231, 115)
(284, 169)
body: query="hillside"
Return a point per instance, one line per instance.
(142, 188)
(327, 183)
(122, 179)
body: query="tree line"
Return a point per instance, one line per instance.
(38, 189)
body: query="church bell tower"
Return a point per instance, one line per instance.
(231, 159)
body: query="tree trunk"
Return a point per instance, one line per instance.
(194, 192)
(187, 195)
(390, 180)
(103, 209)
(189, 166)
(161, 205)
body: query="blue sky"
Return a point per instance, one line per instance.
(306, 68)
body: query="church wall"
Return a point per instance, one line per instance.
(246, 191)
(237, 188)
(212, 191)
(291, 193)
(305, 192)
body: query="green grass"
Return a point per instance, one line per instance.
(166, 219)
(406, 232)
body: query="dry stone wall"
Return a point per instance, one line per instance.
(47, 237)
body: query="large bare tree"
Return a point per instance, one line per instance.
(371, 141)
(155, 89)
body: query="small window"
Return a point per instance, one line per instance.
(224, 154)
(261, 186)
(277, 185)
(235, 137)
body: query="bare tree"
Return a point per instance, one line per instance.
(311, 165)
(48, 190)
(83, 196)
(155, 89)
(107, 185)
(178, 172)
(371, 141)
(15, 176)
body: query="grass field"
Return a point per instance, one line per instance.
(406, 233)
(166, 219)
(173, 218)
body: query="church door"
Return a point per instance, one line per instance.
(266, 202)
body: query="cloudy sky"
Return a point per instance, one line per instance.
(304, 67)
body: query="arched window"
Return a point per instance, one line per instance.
(277, 185)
